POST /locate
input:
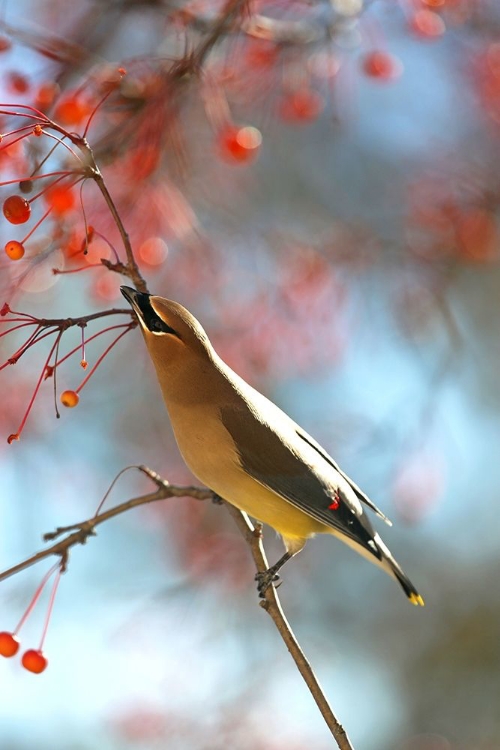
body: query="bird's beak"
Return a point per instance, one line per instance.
(139, 301)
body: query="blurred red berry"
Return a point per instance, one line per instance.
(72, 111)
(301, 106)
(261, 54)
(17, 82)
(46, 95)
(239, 144)
(60, 198)
(427, 24)
(5, 44)
(382, 65)
(153, 251)
(478, 235)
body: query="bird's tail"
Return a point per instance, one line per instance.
(392, 567)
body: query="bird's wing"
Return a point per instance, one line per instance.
(273, 462)
(359, 493)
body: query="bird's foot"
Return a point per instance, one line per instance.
(265, 579)
(216, 499)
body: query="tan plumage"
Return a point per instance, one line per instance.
(247, 450)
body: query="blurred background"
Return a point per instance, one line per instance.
(342, 253)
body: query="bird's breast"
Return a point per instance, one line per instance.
(210, 453)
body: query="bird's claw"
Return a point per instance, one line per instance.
(265, 579)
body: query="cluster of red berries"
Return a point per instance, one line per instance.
(17, 210)
(33, 659)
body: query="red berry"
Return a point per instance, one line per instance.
(303, 105)
(18, 82)
(427, 24)
(239, 144)
(5, 44)
(105, 287)
(261, 54)
(9, 644)
(72, 111)
(153, 251)
(16, 209)
(60, 198)
(45, 95)
(26, 186)
(34, 661)
(382, 65)
(70, 399)
(14, 250)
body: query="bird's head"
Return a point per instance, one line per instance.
(171, 333)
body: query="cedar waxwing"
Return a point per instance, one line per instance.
(248, 451)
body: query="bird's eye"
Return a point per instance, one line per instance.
(159, 326)
(156, 325)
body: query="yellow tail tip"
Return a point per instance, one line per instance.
(417, 600)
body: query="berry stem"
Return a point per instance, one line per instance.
(18, 130)
(47, 212)
(35, 598)
(16, 140)
(94, 336)
(56, 358)
(103, 355)
(32, 178)
(48, 187)
(66, 145)
(39, 334)
(92, 114)
(37, 116)
(83, 359)
(50, 606)
(107, 493)
(109, 244)
(58, 272)
(39, 382)
(16, 328)
(45, 158)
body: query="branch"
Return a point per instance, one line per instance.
(64, 323)
(131, 269)
(231, 11)
(79, 533)
(92, 171)
(272, 605)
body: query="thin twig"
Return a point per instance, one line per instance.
(64, 323)
(80, 532)
(272, 605)
(231, 10)
(131, 269)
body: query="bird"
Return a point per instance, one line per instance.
(250, 453)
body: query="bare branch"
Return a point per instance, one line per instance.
(80, 532)
(272, 605)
